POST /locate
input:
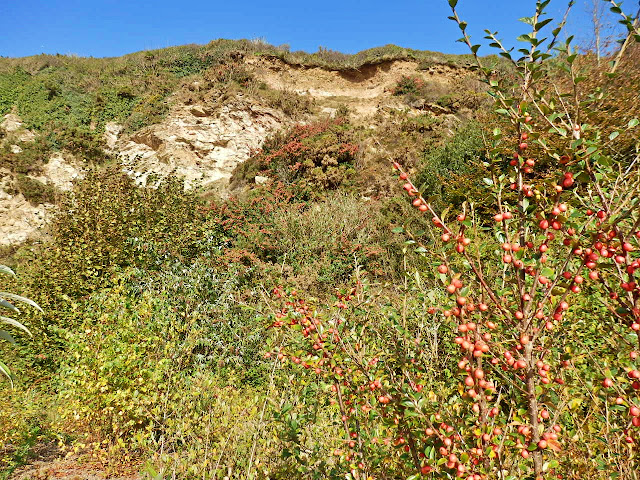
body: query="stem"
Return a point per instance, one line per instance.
(532, 400)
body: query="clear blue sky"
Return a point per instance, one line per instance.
(114, 27)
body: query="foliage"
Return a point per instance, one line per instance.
(450, 173)
(316, 156)
(5, 302)
(313, 245)
(22, 421)
(29, 160)
(290, 103)
(545, 251)
(462, 93)
(524, 393)
(290, 333)
(34, 190)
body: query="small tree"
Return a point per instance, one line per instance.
(565, 230)
(555, 234)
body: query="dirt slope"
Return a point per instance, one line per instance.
(364, 91)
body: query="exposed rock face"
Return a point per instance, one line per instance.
(111, 132)
(196, 142)
(365, 91)
(19, 220)
(11, 123)
(60, 172)
(204, 141)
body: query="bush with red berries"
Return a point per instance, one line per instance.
(540, 301)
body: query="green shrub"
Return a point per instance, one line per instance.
(105, 225)
(288, 102)
(10, 83)
(316, 157)
(29, 160)
(408, 86)
(449, 173)
(34, 190)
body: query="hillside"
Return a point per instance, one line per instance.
(234, 261)
(196, 111)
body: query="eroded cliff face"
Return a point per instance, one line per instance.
(199, 143)
(204, 141)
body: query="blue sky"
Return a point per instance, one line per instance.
(115, 27)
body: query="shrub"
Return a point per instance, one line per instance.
(32, 157)
(316, 157)
(527, 401)
(408, 86)
(133, 364)
(34, 190)
(290, 103)
(313, 245)
(5, 302)
(449, 174)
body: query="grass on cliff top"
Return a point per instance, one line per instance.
(186, 59)
(61, 96)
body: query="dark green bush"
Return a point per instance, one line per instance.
(29, 160)
(450, 173)
(34, 190)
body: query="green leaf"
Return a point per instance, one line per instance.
(576, 143)
(7, 336)
(6, 304)
(541, 25)
(5, 371)
(18, 298)
(633, 122)
(7, 270)
(453, 3)
(488, 181)
(591, 150)
(613, 135)
(398, 230)
(547, 272)
(14, 323)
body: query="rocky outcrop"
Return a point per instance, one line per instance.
(200, 143)
(11, 123)
(61, 172)
(111, 132)
(19, 220)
